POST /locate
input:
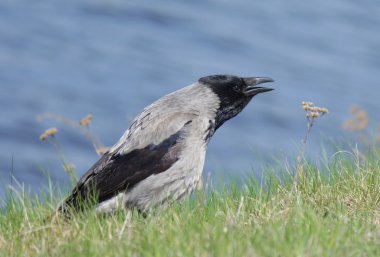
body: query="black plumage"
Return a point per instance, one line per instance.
(114, 173)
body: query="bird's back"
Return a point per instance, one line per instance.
(159, 158)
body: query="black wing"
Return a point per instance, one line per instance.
(114, 173)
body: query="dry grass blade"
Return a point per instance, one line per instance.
(312, 113)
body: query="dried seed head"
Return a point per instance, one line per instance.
(359, 120)
(313, 114)
(313, 111)
(322, 110)
(307, 103)
(102, 150)
(307, 106)
(50, 132)
(354, 109)
(86, 120)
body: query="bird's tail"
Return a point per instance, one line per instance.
(68, 205)
(79, 200)
(65, 210)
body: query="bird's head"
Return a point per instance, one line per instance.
(234, 93)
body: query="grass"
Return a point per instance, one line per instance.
(330, 212)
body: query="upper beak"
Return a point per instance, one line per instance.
(252, 83)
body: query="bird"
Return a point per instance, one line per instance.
(160, 158)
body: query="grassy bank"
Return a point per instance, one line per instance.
(331, 212)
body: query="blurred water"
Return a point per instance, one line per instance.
(112, 58)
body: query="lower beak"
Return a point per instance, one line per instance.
(252, 88)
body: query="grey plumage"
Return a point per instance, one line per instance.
(160, 158)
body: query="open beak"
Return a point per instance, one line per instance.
(252, 88)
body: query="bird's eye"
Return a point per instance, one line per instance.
(236, 88)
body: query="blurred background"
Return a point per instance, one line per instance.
(111, 58)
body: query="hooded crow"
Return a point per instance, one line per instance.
(160, 158)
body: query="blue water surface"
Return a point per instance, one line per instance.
(112, 58)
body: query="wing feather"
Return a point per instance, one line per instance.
(117, 171)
